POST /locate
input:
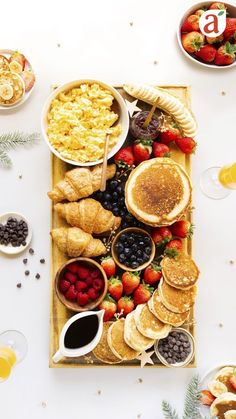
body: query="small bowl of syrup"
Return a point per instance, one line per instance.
(81, 284)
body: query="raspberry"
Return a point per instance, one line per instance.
(82, 272)
(82, 298)
(71, 294)
(80, 285)
(93, 294)
(71, 277)
(64, 285)
(98, 284)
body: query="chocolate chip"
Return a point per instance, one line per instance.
(37, 276)
(42, 260)
(31, 251)
(18, 285)
(25, 261)
(27, 273)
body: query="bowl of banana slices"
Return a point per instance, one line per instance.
(17, 79)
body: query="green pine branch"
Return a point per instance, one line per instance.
(12, 140)
(5, 160)
(168, 411)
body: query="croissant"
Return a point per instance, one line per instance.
(80, 183)
(75, 242)
(89, 215)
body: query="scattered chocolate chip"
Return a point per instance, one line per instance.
(37, 276)
(223, 93)
(31, 251)
(140, 380)
(58, 45)
(27, 273)
(131, 23)
(25, 261)
(99, 392)
(220, 324)
(231, 262)
(18, 285)
(42, 261)
(155, 62)
(20, 176)
(44, 404)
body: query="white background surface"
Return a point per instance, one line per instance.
(97, 41)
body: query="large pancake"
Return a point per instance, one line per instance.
(176, 300)
(102, 350)
(180, 272)
(158, 192)
(149, 325)
(162, 313)
(133, 337)
(117, 344)
(222, 404)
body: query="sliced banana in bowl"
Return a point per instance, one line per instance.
(217, 388)
(12, 88)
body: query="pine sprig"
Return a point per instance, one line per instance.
(168, 411)
(12, 140)
(192, 399)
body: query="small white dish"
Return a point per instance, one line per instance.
(25, 97)
(189, 357)
(232, 11)
(209, 376)
(123, 119)
(9, 249)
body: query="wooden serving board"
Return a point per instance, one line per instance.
(59, 314)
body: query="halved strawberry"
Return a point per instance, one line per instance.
(207, 397)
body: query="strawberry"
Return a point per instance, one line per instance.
(191, 24)
(72, 267)
(29, 79)
(142, 150)
(152, 274)
(161, 235)
(207, 398)
(80, 285)
(186, 144)
(125, 305)
(199, 12)
(71, 293)
(92, 294)
(83, 272)
(225, 55)
(192, 41)
(95, 273)
(230, 29)
(232, 380)
(207, 53)
(161, 150)
(182, 228)
(20, 58)
(64, 285)
(217, 5)
(167, 137)
(124, 157)
(130, 281)
(82, 298)
(109, 305)
(215, 40)
(142, 294)
(173, 248)
(109, 266)
(71, 277)
(115, 287)
(98, 284)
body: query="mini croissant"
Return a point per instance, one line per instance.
(89, 215)
(75, 242)
(80, 183)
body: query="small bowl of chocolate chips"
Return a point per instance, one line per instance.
(177, 349)
(15, 233)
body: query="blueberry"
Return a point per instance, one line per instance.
(123, 237)
(107, 196)
(139, 253)
(116, 211)
(99, 196)
(122, 257)
(134, 247)
(140, 261)
(114, 204)
(145, 257)
(113, 184)
(124, 225)
(119, 190)
(127, 251)
(146, 240)
(141, 243)
(119, 247)
(133, 258)
(122, 213)
(134, 265)
(115, 195)
(130, 240)
(122, 201)
(148, 250)
(105, 203)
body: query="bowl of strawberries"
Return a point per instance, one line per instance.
(81, 284)
(212, 52)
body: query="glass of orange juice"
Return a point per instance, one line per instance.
(13, 349)
(218, 182)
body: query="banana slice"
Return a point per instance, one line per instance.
(6, 91)
(217, 388)
(231, 414)
(166, 102)
(15, 67)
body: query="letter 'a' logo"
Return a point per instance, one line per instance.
(212, 23)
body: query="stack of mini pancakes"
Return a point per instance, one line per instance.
(125, 339)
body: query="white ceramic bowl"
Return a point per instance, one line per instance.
(9, 249)
(123, 119)
(209, 375)
(232, 11)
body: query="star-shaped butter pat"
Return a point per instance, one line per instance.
(145, 358)
(131, 106)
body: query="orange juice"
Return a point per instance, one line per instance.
(7, 361)
(227, 176)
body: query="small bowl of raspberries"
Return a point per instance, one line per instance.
(212, 52)
(81, 284)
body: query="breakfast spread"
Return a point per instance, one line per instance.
(79, 120)
(14, 232)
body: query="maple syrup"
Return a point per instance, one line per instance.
(81, 332)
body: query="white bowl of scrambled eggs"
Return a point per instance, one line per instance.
(77, 117)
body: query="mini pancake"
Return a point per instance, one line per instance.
(231, 414)
(176, 300)
(14, 85)
(222, 404)
(149, 325)
(223, 376)
(117, 344)
(102, 350)
(180, 272)
(133, 337)
(158, 192)
(162, 313)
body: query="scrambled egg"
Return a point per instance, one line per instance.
(79, 120)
